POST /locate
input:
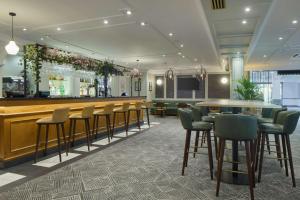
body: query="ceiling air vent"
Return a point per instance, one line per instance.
(218, 4)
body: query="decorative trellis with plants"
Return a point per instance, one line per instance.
(36, 54)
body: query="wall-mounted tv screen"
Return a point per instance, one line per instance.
(188, 83)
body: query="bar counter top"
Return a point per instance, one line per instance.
(18, 122)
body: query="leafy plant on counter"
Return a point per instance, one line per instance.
(248, 90)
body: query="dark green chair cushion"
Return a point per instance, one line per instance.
(236, 127)
(262, 120)
(196, 112)
(271, 128)
(266, 113)
(210, 119)
(289, 120)
(202, 126)
(185, 116)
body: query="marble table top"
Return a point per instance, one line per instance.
(236, 103)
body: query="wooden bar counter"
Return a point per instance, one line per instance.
(18, 123)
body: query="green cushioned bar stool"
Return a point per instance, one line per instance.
(186, 119)
(237, 128)
(285, 125)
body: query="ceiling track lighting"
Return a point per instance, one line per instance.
(12, 48)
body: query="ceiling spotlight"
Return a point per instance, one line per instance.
(181, 45)
(24, 29)
(179, 53)
(67, 46)
(128, 12)
(280, 38)
(247, 9)
(195, 59)
(105, 21)
(170, 34)
(183, 56)
(244, 22)
(265, 56)
(143, 24)
(42, 38)
(164, 55)
(238, 52)
(58, 29)
(295, 21)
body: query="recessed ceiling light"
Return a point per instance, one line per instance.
(128, 12)
(265, 56)
(58, 29)
(171, 34)
(181, 45)
(195, 59)
(42, 38)
(24, 29)
(143, 24)
(179, 53)
(67, 46)
(244, 22)
(247, 9)
(295, 21)
(105, 21)
(238, 52)
(280, 38)
(164, 55)
(183, 56)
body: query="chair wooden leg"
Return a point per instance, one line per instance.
(114, 122)
(253, 156)
(70, 134)
(107, 127)
(94, 131)
(186, 150)
(64, 136)
(210, 157)
(138, 119)
(258, 142)
(87, 133)
(148, 120)
(278, 149)
(109, 124)
(288, 143)
(46, 139)
(58, 141)
(196, 143)
(216, 147)
(249, 167)
(261, 156)
(268, 143)
(126, 122)
(37, 142)
(97, 126)
(74, 132)
(220, 164)
(284, 155)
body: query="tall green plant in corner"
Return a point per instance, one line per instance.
(247, 90)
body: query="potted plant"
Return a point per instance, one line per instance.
(247, 90)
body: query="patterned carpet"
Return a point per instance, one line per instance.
(147, 166)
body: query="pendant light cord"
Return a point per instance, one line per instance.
(12, 27)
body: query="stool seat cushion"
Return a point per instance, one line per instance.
(205, 126)
(77, 116)
(262, 120)
(210, 119)
(102, 112)
(47, 120)
(132, 108)
(271, 128)
(119, 110)
(214, 114)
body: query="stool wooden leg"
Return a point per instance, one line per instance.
(253, 155)
(128, 120)
(258, 142)
(94, 131)
(220, 164)
(216, 146)
(97, 126)
(284, 155)
(114, 122)
(262, 149)
(126, 123)
(107, 127)
(138, 112)
(186, 150)
(87, 128)
(196, 143)
(58, 141)
(249, 167)
(210, 157)
(278, 149)
(37, 142)
(46, 139)
(148, 120)
(70, 134)
(64, 136)
(268, 144)
(290, 159)
(74, 132)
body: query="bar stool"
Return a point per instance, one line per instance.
(123, 110)
(285, 125)
(186, 119)
(211, 119)
(136, 108)
(146, 106)
(85, 115)
(106, 112)
(237, 128)
(59, 117)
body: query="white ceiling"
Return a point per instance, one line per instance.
(123, 40)
(208, 35)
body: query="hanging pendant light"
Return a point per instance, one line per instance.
(201, 74)
(169, 74)
(12, 48)
(135, 72)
